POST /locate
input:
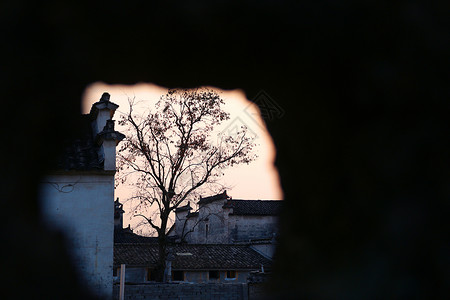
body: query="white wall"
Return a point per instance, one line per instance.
(180, 219)
(82, 206)
(226, 229)
(203, 277)
(216, 220)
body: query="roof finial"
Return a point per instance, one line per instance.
(105, 97)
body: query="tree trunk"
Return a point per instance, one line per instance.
(162, 255)
(162, 250)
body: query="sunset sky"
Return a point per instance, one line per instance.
(258, 180)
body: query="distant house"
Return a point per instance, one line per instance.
(205, 263)
(77, 196)
(222, 220)
(199, 263)
(126, 235)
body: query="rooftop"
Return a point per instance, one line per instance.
(80, 153)
(254, 207)
(206, 200)
(125, 235)
(186, 207)
(192, 256)
(81, 150)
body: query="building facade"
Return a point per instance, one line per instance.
(77, 197)
(215, 261)
(223, 220)
(206, 263)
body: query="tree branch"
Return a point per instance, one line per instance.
(149, 221)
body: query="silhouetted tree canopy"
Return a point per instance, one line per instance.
(171, 152)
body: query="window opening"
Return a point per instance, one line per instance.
(231, 274)
(178, 275)
(214, 275)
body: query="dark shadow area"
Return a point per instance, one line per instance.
(362, 148)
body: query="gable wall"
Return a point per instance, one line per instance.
(224, 228)
(217, 229)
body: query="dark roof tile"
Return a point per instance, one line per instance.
(133, 254)
(80, 152)
(254, 207)
(192, 215)
(206, 200)
(186, 207)
(122, 236)
(193, 257)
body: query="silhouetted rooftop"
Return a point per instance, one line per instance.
(254, 207)
(193, 257)
(125, 235)
(186, 207)
(206, 200)
(80, 153)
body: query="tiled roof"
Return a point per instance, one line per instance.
(192, 215)
(210, 199)
(133, 254)
(122, 236)
(80, 153)
(254, 207)
(183, 208)
(193, 257)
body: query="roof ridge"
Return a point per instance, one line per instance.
(266, 200)
(216, 244)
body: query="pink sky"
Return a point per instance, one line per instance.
(257, 180)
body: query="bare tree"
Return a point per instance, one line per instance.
(171, 153)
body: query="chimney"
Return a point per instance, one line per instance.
(103, 128)
(118, 214)
(108, 139)
(102, 111)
